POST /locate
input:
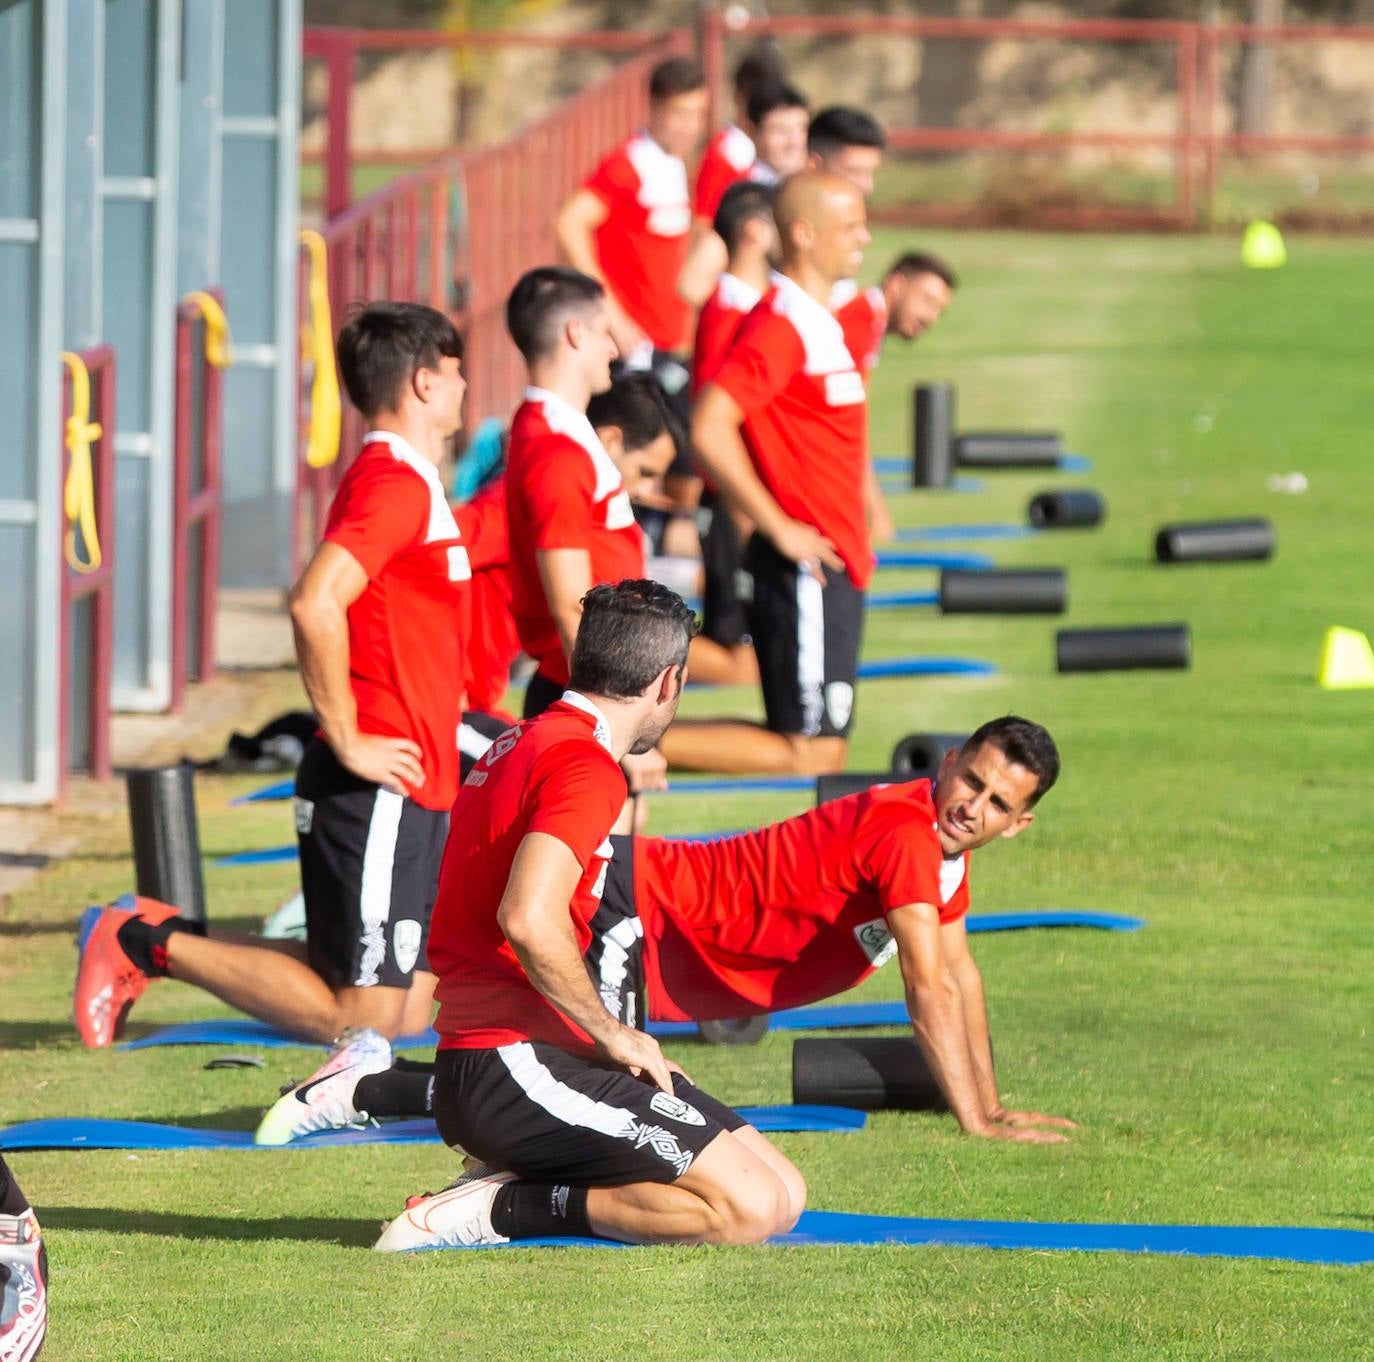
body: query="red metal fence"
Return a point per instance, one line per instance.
(1197, 142)
(458, 233)
(88, 567)
(197, 461)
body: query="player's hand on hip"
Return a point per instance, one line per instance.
(393, 763)
(806, 546)
(1034, 1118)
(645, 771)
(640, 1054)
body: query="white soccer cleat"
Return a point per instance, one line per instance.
(459, 1216)
(325, 1100)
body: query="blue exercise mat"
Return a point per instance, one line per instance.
(739, 785)
(247, 1031)
(901, 600)
(956, 484)
(283, 789)
(948, 534)
(876, 669)
(905, 558)
(1294, 1244)
(95, 1133)
(1075, 463)
(266, 856)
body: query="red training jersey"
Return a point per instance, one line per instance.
(862, 315)
(718, 323)
(642, 244)
(727, 160)
(492, 642)
(805, 417)
(562, 492)
(555, 775)
(405, 632)
(792, 913)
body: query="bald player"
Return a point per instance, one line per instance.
(782, 430)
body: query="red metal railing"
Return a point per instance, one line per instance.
(338, 49)
(196, 491)
(92, 582)
(458, 233)
(1196, 141)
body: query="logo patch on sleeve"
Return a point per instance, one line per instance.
(875, 941)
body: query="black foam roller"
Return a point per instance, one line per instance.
(844, 783)
(1105, 650)
(1063, 510)
(734, 1030)
(920, 754)
(1008, 449)
(933, 434)
(162, 819)
(1215, 541)
(1005, 591)
(868, 1073)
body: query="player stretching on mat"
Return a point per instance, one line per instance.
(809, 907)
(582, 1124)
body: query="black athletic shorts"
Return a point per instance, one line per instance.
(550, 1116)
(615, 957)
(724, 613)
(807, 639)
(540, 693)
(369, 872)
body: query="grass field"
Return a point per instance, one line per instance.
(1219, 1061)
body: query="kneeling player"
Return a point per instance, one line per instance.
(809, 907)
(581, 1125)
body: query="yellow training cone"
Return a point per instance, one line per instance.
(1262, 247)
(1347, 660)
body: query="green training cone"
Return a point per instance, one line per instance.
(1262, 247)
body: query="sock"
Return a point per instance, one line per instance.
(407, 1091)
(145, 943)
(12, 1200)
(533, 1210)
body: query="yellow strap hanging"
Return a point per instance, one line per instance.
(219, 343)
(78, 492)
(317, 350)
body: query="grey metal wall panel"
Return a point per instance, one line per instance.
(252, 58)
(200, 167)
(131, 74)
(81, 295)
(19, 269)
(17, 657)
(18, 109)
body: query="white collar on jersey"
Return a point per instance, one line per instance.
(735, 294)
(737, 146)
(821, 334)
(602, 733)
(564, 418)
(442, 525)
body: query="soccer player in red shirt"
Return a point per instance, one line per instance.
(628, 226)
(377, 615)
(811, 906)
(731, 153)
(779, 120)
(581, 1125)
(782, 431)
(911, 299)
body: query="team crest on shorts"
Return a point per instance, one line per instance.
(839, 702)
(304, 810)
(405, 944)
(675, 1109)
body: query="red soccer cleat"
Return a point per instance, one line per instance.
(108, 983)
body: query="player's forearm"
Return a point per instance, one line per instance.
(970, 985)
(320, 628)
(548, 955)
(937, 1017)
(576, 235)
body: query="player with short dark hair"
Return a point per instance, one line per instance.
(911, 298)
(581, 1126)
(628, 225)
(847, 141)
(377, 615)
(809, 907)
(732, 153)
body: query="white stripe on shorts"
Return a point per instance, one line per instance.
(563, 1103)
(615, 962)
(379, 860)
(810, 651)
